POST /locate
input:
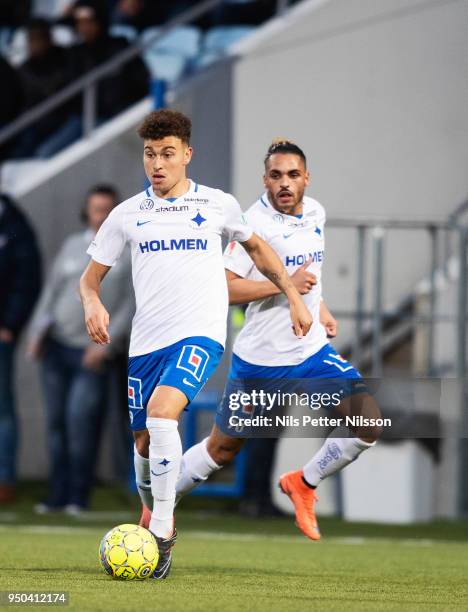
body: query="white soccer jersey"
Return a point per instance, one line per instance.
(177, 262)
(267, 337)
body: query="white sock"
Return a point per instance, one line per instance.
(143, 479)
(333, 456)
(165, 455)
(195, 468)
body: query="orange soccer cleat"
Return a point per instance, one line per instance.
(303, 498)
(145, 517)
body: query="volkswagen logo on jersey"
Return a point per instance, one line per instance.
(193, 359)
(147, 204)
(278, 218)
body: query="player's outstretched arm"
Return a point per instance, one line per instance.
(96, 316)
(269, 264)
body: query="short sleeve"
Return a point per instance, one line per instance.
(321, 219)
(110, 240)
(237, 260)
(236, 226)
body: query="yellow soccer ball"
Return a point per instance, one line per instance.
(128, 552)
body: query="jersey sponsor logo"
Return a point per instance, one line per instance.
(285, 236)
(140, 223)
(193, 359)
(298, 260)
(181, 244)
(200, 200)
(163, 209)
(147, 204)
(278, 218)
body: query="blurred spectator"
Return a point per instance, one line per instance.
(136, 13)
(127, 85)
(143, 13)
(75, 372)
(14, 13)
(244, 13)
(115, 93)
(44, 73)
(10, 100)
(19, 288)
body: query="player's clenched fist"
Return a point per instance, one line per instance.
(303, 280)
(97, 322)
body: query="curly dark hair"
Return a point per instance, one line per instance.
(165, 122)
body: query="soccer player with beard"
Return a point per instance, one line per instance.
(174, 232)
(293, 224)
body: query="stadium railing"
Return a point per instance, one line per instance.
(441, 238)
(87, 84)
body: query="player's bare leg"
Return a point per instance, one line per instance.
(333, 456)
(206, 457)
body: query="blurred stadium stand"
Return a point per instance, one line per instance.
(170, 56)
(362, 86)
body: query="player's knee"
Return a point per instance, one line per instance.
(369, 434)
(369, 412)
(222, 453)
(162, 411)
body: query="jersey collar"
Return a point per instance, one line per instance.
(193, 188)
(264, 200)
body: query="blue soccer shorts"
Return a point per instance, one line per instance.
(186, 365)
(325, 372)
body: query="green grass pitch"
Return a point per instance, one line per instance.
(245, 571)
(225, 563)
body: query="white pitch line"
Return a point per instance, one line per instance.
(86, 516)
(240, 537)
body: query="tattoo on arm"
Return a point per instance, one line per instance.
(281, 280)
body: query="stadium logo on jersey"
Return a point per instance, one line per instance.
(164, 209)
(147, 204)
(198, 222)
(193, 359)
(298, 260)
(182, 244)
